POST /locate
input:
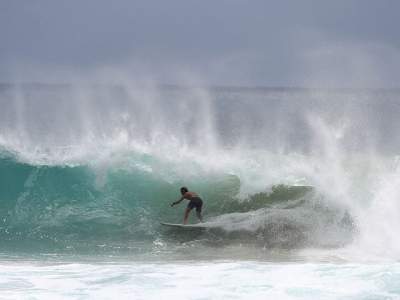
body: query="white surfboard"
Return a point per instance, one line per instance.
(193, 226)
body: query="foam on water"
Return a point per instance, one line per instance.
(199, 280)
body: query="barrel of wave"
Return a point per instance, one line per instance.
(56, 201)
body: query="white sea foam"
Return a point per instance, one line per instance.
(199, 280)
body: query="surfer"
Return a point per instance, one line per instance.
(194, 202)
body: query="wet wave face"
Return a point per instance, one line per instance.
(95, 168)
(65, 205)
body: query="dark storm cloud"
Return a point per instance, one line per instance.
(227, 41)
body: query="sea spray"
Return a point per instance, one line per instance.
(85, 166)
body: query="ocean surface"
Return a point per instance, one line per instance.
(301, 192)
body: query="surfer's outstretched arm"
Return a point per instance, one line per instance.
(177, 201)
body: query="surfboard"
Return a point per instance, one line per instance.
(192, 226)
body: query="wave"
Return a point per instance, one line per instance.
(65, 205)
(99, 165)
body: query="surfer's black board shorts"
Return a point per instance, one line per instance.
(195, 202)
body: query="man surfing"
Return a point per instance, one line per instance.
(194, 202)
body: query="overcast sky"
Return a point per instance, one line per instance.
(230, 42)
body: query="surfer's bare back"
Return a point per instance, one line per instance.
(194, 202)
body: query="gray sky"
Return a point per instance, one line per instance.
(233, 42)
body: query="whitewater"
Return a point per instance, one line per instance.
(300, 190)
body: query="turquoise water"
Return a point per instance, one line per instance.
(300, 191)
(64, 209)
